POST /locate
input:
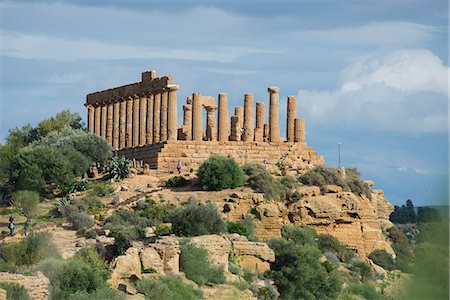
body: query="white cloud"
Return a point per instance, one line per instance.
(402, 91)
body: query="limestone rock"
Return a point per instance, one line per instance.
(36, 285)
(2, 294)
(168, 249)
(125, 266)
(332, 189)
(217, 246)
(151, 259)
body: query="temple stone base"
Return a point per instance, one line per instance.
(164, 156)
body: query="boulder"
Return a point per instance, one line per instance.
(331, 189)
(168, 248)
(217, 246)
(125, 266)
(150, 259)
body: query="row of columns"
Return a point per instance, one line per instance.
(136, 121)
(243, 120)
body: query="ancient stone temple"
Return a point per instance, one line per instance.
(140, 121)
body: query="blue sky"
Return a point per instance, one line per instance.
(373, 76)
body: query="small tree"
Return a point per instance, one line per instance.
(194, 220)
(218, 173)
(26, 202)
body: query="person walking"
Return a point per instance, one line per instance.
(25, 227)
(179, 167)
(11, 227)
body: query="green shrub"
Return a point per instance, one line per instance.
(299, 235)
(93, 204)
(101, 293)
(248, 275)
(169, 287)
(328, 243)
(234, 268)
(362, 269)
(383, 259)
(367, 291)
(297, 265)
(176, 181)
(91, 257)
(218, 173)
(14, 291)
(29, 251)
(158, 212)
(78, 219)
(102, 189)
(51, 267)
(26, 202)
(402, 249)
(119, 168)
(161, 229)
(260, 180)
(265, 292)
(194, 220)
(236, 227)
(195, 264)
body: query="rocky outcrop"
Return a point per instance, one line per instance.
(218, 249)
(36, 286)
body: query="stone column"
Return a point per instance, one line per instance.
(157, 118)
(223, 125)
(142, 120)
(187, 119)
(290, 118)
(197, 117)
(274, 129)
(172, 113)
(249, 118)
(149, 121)
(116, 117)
(239, 112)
(299, 130)
(163, 122)
(104, 116)
(129, 133)
(122, 123)
(136, 121)
(211, 132)
(260, 119)
(98, 114)
(109, 123)
(266, 132)
(91, 117)
(234, 128)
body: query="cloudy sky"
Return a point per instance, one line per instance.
(372, 76)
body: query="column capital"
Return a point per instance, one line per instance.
(210, 108)
(173, 87)
(273, 89)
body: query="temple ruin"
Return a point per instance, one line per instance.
(140, 121)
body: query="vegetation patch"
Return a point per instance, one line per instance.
(194, 220)
(169, 287)
(218, 173)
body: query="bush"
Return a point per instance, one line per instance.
(169, 287)
(194, 220)
(78, 219)
(402, 249)
(297, 265)
(299, 235)
(14, 291)
(93, 204)
(176, 181)
(154, 211)
(328, 243)
(383, 259)
(26, 202)
(30, 251)
(195, 264)
(218, 173)
(119, 168)
(260, 180)
(367, 291)
(102, 189)
(362, 269)
(234, 227)
(101, 293)
(321, 176)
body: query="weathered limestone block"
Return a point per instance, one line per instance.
(187, 119)
(172, 113)
(142, 120)
(168, 249)
(290, 120)
(125, 266)
(151, 259)
(217, 246)
(239, 112)
(109, 123)
(249, 118)
(274, 129)
(211, 132)
(234, 128)
(331, 189)
(223, 126)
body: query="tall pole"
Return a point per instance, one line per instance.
(339, 155)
